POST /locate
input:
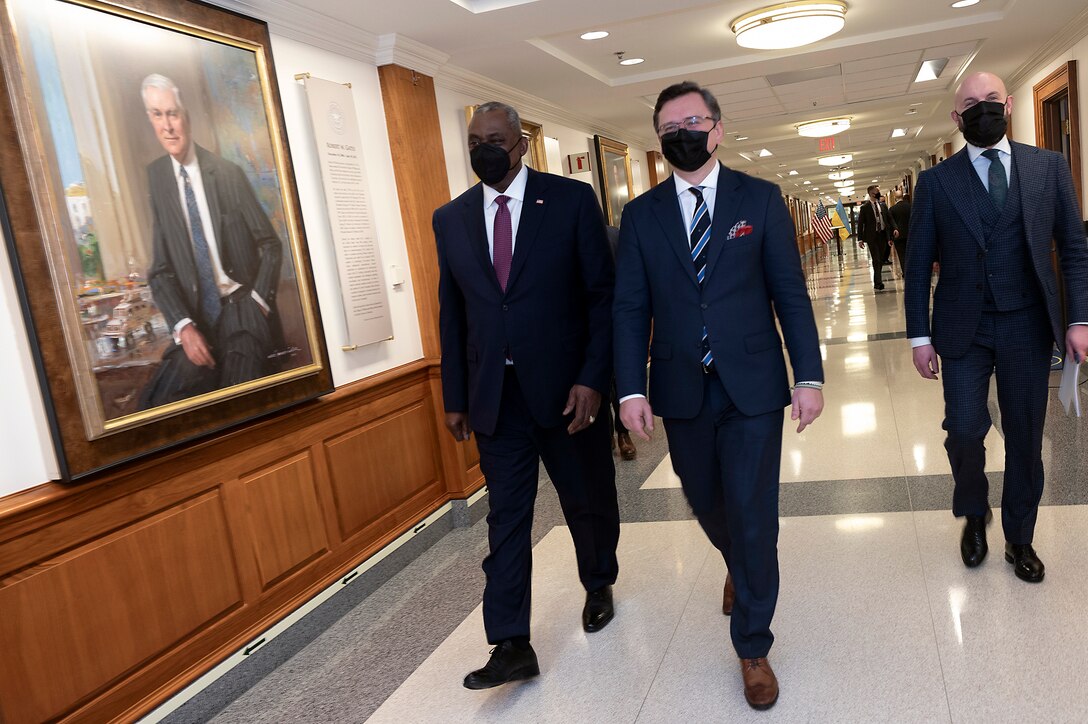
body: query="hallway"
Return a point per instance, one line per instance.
(878, 620)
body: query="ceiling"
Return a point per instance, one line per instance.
(866, 71)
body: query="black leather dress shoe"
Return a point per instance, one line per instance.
(1025, 563)
(598, 610)
(973, 543)
(508, 663)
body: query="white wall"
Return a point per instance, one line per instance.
(1023, 104)
(25, 446)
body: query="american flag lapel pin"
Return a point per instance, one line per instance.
(540, 201)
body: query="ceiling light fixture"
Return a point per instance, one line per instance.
(931, 70)
(964, 3)
(741, 138)
(898, 132)
(838, 160)
(793, 173)
(789, 24)
(843, 184)
(763, 153)
(594, 35)
(628, 61)
(876, 181)
(840, 175)
(828, 127)
(806, 183)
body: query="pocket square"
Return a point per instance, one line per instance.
(741, 228)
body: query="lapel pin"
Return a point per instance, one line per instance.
(540, 201)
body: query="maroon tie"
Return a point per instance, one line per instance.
(504, 242)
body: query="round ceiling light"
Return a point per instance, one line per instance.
(828, 127)
(789, 24)
(632, 61)
(840, 175)
(835, 160)
(594, 35)
(844, 184)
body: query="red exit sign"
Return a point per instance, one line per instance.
(827, 144)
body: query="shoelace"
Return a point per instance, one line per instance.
(753, 664)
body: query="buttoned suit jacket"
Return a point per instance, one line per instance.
(249, 249)
(867, 231)
(946, 226)
(750, 279)
(553, 320)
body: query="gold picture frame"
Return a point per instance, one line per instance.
(536, 158)
(87, 181)
(614, 175)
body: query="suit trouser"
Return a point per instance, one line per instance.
(728, 464)
(878, 250)
(1016, 347)
(584, 476)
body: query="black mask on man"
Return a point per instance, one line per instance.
(984, 123)
(686, 150)
(491, 162)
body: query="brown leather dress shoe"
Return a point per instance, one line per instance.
(627, 448)
(760, 684)
(729, 595)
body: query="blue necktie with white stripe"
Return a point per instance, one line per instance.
(699, 239)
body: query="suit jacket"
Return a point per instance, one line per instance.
(946, 226)
(249, 249)
(554, 319)
(750, 278)
(867, 222)
(900, 212)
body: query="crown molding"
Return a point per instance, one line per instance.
(287, 19)
(396, 49)
(532, 107)
(1073, 31)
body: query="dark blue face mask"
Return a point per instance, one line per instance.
(491, 162)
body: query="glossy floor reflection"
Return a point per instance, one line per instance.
(878, 619)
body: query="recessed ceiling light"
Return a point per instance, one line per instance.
(745, 156)
(844, 184)
(838, 160)
(594, 35)
(891, 149)
(828, 127)
(782, 165)
(931, 70)
(806, 183)
(898, 132)
(763, 153)
(964, 3)
(793, 173)
(840, 175)
(789, 24)
(875, 181)
(632, 61)
(915, 104)
(911, 112)
(741, 138)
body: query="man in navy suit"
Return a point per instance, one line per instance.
(525, 291)
(709, 259)
(988, 214)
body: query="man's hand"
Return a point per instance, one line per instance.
(583, 402)
(1076, 342)
(895, 233)
(457, 424)
(196, 347)
(808, 403)
(637, 416)
(925, 361)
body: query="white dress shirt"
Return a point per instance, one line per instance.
(516, 193)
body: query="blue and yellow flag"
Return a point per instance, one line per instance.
(842, 219)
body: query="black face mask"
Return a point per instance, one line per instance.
(686, 150)
(984, 123)
(491, 162)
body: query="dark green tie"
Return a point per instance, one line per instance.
(999, 183)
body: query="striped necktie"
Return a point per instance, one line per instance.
(698, 240)
(210, 304)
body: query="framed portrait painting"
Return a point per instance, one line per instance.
(614, 174)
(151, 212)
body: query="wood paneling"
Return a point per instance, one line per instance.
(81, 619)
(419, 164)
(286, 526)
(378, 466)
(116, 593)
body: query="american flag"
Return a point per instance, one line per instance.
(822, 223)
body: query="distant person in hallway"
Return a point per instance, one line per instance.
(988, 214)
(707, 260)
(900, 212)
(216, 261)
(877, 229)
(622, 440)
(525, 291)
